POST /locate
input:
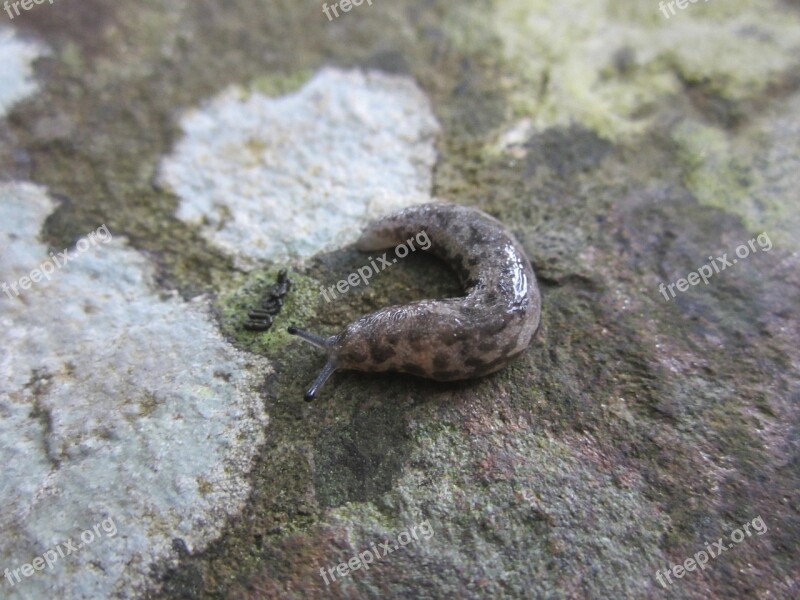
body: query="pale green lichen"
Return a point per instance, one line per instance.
(563, 64)
(713, 173)
(745, 174)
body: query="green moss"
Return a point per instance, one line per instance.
(279, 84)
(247, 292)
(713, 174)
(72, 58)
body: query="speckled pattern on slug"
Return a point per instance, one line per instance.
(453, 338)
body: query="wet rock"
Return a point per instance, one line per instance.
(622, 147)
(278, 178)
(120, 405)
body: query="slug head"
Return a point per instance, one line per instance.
(348, 350)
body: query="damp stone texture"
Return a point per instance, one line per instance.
(282, 178)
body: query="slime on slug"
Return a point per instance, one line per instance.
(452, 338)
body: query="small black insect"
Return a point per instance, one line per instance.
(283, 285)
(260, 319)
(272, 305)
(253, 324)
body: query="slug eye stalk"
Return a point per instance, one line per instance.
(327, 370)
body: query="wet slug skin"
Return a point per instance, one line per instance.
(451, 338)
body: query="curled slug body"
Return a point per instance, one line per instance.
(452, 338)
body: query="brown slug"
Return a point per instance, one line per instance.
(451, 338)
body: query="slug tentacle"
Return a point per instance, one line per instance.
(330, 366)
(326, 372)
(311, 338)
(452, 338)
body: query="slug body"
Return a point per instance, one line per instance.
(452, 338)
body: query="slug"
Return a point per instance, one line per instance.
(451, 338)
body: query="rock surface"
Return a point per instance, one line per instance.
(119, 404)
(220, 144)
(291, 176)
